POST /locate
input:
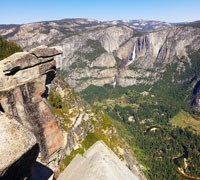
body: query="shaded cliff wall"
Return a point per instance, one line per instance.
(196, 96)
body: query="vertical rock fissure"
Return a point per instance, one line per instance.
(33, 117)
(12, 103)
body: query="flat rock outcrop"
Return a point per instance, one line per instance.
(24, 84)
(99, 163)
(18, 150)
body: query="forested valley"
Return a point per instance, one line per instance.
(147, 112)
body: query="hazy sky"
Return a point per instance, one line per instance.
(24, 11)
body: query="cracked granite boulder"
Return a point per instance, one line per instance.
(18, 150)
(24, 83)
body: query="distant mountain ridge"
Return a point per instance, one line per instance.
(142, 25)
(101, 53)
(83, 24)
(137, 24)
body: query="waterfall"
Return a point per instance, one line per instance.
(133, 54)
(115, 81)
(132, 57)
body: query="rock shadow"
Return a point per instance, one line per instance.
(40, 172)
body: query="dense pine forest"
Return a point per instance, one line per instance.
(7, 48)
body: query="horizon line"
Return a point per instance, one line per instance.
(85, 18)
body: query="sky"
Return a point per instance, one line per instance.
(26, 11)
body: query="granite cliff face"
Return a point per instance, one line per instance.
(136, 60)
(109, 53)
(89, 57)
(155, 50)
(25, 77)
(161, 46)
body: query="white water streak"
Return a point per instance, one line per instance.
(132, 58)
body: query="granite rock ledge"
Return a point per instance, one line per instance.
(24, 84)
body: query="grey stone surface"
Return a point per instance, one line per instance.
(98, 163)
(44, 51)
(18, 149)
